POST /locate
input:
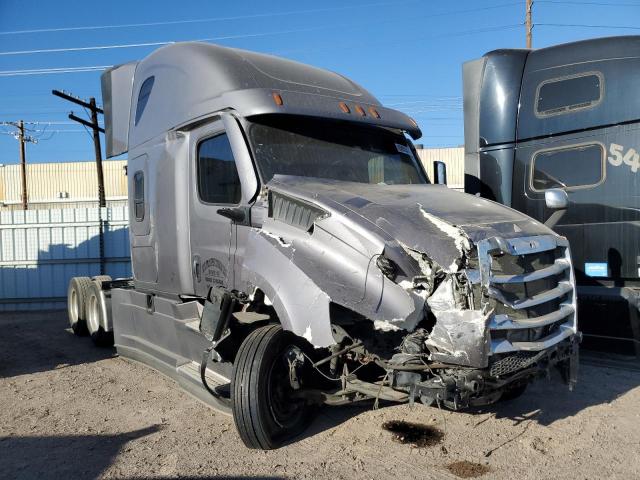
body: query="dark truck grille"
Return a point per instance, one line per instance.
(529, 285)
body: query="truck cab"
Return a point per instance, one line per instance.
(563, 117)
(288, 250)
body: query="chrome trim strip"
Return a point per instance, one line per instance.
(559, 266)
(504, 322)
(563, 288)
(504, 346)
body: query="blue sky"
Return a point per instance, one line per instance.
(406, 52)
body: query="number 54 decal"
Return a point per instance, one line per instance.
(618, 157)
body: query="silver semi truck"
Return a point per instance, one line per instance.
(288, 250)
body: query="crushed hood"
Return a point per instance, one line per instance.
(430, 219)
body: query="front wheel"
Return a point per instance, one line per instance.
(265, 408)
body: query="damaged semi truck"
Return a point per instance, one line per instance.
(288, 250)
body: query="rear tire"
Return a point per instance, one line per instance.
(97, 316)
(265, 412)
(76, 304)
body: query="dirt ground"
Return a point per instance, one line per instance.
(69, 410)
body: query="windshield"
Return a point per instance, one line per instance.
(308, 147)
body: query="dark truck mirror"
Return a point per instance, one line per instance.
(239, 215)
(439, 172)
(558, 200)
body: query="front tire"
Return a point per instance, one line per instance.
(265, 411)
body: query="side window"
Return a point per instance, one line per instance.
(138, 195)
(218, 180)
(143, 97)
(568, 94)
(569, 168)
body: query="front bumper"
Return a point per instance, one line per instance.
(457, 388)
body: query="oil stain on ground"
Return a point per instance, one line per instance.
(465, 469)
(414, 433)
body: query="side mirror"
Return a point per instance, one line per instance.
(556, 199)
(440, 172)
(237, 215)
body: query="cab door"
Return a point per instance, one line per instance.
(215, 188)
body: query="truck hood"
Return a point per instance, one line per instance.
(430, 219)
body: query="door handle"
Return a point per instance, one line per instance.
(196, 268)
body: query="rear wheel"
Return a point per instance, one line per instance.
(265, 409)
(97, 313)
(76, 304)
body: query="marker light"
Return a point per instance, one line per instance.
(361, 111)
(344, 107)
(374, 112)
(277, 99)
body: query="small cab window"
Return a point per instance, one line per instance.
(569, 168)
(568, 94)
(138, 195)
(143, 97)
(218, 180)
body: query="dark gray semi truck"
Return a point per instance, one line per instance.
(288, 250)
(567, 117)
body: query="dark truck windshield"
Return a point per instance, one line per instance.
(307, 147)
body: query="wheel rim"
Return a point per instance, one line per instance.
(73, 307)
(92, 316)
(285, 409)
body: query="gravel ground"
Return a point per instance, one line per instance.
(69, 410)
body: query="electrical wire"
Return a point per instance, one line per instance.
(582, 25)
(232, 37)
(569, 2)
(202, 20)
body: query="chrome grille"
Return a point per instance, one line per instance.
(528, 283)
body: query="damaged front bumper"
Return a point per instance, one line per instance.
(519, 323)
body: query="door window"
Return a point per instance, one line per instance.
(143, 97)
(218, 180)
(569, 168)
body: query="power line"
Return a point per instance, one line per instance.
(569, 2)
(235, 37)
(581, 25)
(202, 20)
(46, 71)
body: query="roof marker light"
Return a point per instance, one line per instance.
(361, 111)
(374, 112)
(344, 107)
(277, 99)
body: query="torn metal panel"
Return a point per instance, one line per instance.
(298, 301)
(320, 264)
(430, 219)
(458, 336)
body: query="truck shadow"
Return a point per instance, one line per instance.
(41, 341)
(63, 456)
(548, 401)
(544, 402)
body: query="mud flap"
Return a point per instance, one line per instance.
(569, 368)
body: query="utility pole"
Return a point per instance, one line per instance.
(22, 139)
(95, 127)
(23, 165)
(528, 22)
